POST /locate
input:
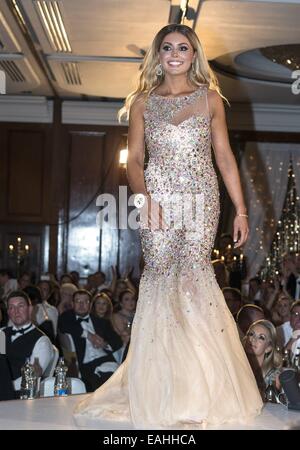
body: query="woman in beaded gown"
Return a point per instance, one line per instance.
(185, 367)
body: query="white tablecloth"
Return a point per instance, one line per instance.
(56, 413)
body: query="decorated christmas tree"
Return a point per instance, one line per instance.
(287, 236)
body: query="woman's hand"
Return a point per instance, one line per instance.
(240, 231)
(152, 215)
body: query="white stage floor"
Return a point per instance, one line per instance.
(56, 414)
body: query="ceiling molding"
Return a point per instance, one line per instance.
(258, 117)
(25, 109)
(240, 116)
(264, 117)
(91, 113)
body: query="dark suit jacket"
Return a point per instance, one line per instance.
(291, 285)
(6, 384)
(67, 323)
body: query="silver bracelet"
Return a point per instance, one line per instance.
(241, 215)
(139, 200)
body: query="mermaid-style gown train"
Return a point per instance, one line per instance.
(185, 367)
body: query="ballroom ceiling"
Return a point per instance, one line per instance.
(92, 49)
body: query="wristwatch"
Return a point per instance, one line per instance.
(139, 200)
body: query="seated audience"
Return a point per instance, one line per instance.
(66, 278)
(270, 288)
(24, 340)
(108, 292)
(96, 282)
(291, 269)
(121, 285)
(235, 263)
(122, 319)
(255, 295)
(3, 314)
(25, 280)
(102, 306)
(281, 318)
(66, 292)
(294, 342)
(246, 316)
(76, 277)
(233, 299)
(46, 290)
(220, 272)
(94, 338)
(8, 284)
(44, 315)
(260, 345)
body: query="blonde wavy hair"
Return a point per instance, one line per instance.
(148, 80)
(273, 359)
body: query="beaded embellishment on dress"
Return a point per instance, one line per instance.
(178, 140)
(185, 367)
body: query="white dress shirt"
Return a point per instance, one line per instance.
(91, 352)
(297, 292)
(42, 351)
(295, 345)
(284, 333)
(45, 311)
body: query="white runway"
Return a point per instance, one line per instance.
(56, 414)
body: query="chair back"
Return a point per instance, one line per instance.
(49, 372)
(2, 343)
(77, 386)
(66, 342)
(69, 352)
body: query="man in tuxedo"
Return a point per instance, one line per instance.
(94, 338)
(293, 281)
(24, 340)
(294, 343)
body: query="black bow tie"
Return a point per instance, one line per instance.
(80, 319)
(20, 330)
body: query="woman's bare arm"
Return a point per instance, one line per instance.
(135, 163)
(136, 148)
(227, 165)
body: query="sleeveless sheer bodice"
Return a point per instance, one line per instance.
(185, 367)
(178, 140)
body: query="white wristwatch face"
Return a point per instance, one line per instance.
(139, 200)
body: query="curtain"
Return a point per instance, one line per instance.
(295, 155)
(264, 175)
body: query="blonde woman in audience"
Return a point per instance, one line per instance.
(260, 345)
(102, 306)
(66, 292)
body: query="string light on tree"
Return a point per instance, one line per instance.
(287, 235)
